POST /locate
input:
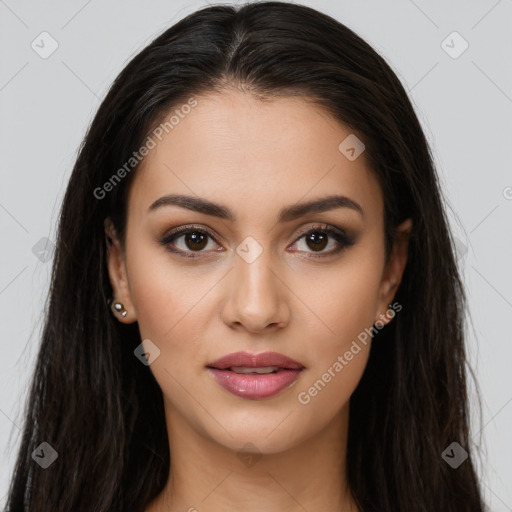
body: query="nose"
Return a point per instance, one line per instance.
(256, 298)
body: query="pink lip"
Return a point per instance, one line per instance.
(255, 360)
(252, 386)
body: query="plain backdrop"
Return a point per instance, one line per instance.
(460, 84)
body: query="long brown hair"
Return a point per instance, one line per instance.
(88, 397)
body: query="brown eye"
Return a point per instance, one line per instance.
(318, 238)
(186, 241)
(317, 241)
(195, 240)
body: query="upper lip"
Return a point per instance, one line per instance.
(248, 360)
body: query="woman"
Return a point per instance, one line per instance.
(255, 303)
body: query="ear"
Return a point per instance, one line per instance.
(393, 271)
(117, 273)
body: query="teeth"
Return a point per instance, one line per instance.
(243, 369)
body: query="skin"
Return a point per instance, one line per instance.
(255, 158)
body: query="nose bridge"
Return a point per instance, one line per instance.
(256, 295)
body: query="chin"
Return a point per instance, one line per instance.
(266, 435)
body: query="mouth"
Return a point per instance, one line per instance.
(265, 370)
(255, 376)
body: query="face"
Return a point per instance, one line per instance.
(258, 271)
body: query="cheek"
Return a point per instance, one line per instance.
(346, 304)
(169, 313)
(162, 297)
(338, 361)
(345, 300)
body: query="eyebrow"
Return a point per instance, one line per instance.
(287, 214)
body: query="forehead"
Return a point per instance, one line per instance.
(252, 154)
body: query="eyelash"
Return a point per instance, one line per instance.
(340, 236)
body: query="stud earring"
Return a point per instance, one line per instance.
(117, 307)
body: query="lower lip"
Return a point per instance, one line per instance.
(255, 386)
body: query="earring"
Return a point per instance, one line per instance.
(117, 307)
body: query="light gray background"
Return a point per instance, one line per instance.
(464, 104)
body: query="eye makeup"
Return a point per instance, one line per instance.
(316, 234)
